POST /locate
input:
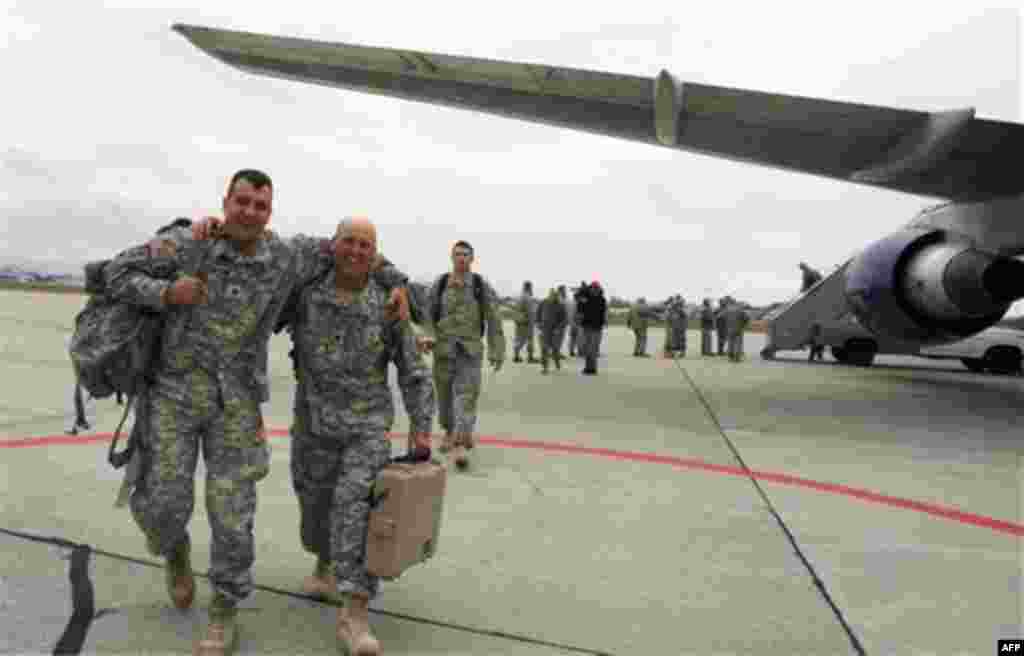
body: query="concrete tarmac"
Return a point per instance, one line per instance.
(661, 507)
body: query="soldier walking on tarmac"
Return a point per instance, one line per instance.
(463, 310)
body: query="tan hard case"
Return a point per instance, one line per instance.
(405, 521)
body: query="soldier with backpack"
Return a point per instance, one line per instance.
(463, 310)
(216, 303)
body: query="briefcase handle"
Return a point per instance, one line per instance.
(413, 456)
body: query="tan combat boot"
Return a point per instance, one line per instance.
(460, 455)
(221, 635)
(322, 584)
(354, 627)
(181, 584)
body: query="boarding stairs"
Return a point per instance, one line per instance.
(790, 324)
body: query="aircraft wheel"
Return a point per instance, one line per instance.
(841, 355)
(1003, 360)
(861, 352)
(977, 365)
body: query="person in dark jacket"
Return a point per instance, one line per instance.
(594, 310)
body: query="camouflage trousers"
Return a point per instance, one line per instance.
(524, 336)
(736, 347)
(333, 481)
(183, 415)
(640, 346)
(457, 379)
(675, 338)
(550, 344)
(705, 343)
(559, 339)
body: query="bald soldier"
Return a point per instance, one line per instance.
(210, 382)
(344, 341)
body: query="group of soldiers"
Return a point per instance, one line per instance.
(349, 315)
(584, 317)
(729, 321)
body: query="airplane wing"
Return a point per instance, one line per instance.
(952, 155)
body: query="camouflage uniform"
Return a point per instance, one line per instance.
(720, 328)
(675, 327)
(638, 320)
(459, 353)
(206, 390)
(570, 325)
(343, 411)
(552, 318)
(707, 326)
(526, 321)
(736, 320)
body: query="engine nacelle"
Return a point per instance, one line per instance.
(925, 286)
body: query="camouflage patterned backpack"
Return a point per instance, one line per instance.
(114, 343)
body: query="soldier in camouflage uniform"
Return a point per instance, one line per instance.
(457, 323)
(525, 321)
(637, 320)
(736, 321)
(720, 324)
(552, 318)
(560, 335)
(675, 327)
(343, 411)
(574, 320)
(207, 387)
(707, 326)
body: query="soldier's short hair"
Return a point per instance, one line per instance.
(258, 179)
(528, 285)
(463, 244)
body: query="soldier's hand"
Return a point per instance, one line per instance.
(419, 441)
(496, 365)
(186, 291)
(397, 307)
(206, 228)
(424, 344)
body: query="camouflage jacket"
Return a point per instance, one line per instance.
(228, 335)
(343, 351)
(551, 314)
(736, 320)
(639, 316)
(526, 310)
(460, 321)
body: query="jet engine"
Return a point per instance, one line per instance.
(927, 286)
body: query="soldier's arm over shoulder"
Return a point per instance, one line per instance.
(309, 251)
(386, 274)
(414, 378)
(140, 275)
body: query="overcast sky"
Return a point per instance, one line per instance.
(112, 124)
